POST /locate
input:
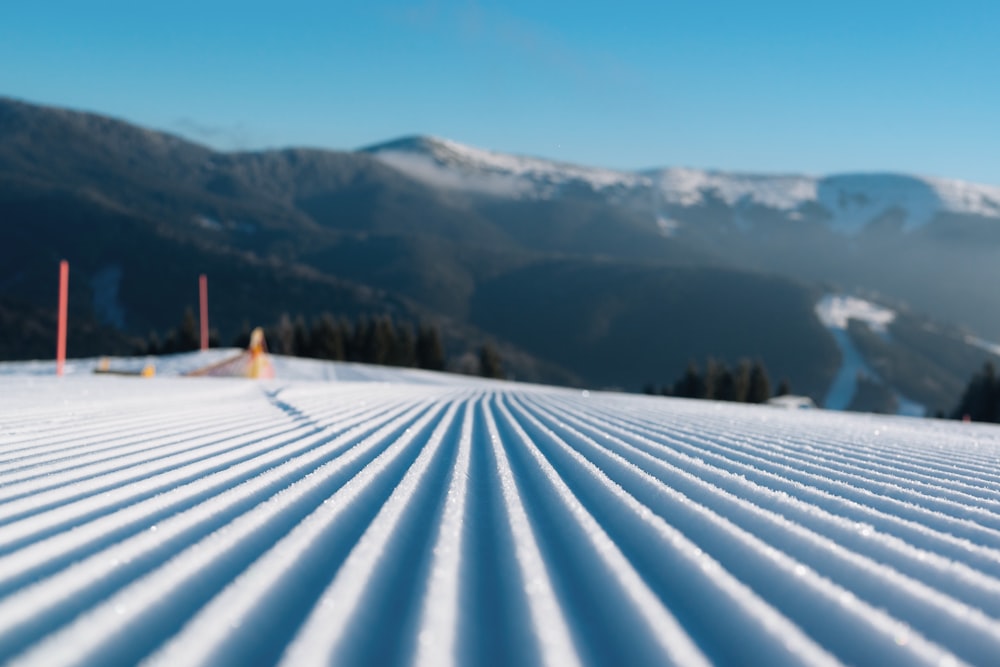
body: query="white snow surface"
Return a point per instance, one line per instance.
(350, 515)
(837, 310)
(690, 187)
(851, 201)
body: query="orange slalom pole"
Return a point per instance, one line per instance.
(203, 298)
(63, 304)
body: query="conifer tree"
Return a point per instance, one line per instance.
(283, 335)
(359, 340)
(490, 365)
(381, 340)
(725, 385)
(430, 350)
(741, 378)
(347, 336)
(691, 384)
(327, 338)
(405, 346)
(188, 337)
(713, 372)
(370, 343)
(981, 399)
(301, 340)
(759, 386)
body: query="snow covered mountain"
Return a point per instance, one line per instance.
(929, 242)
(846, 202)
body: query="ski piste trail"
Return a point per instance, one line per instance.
(353, 515)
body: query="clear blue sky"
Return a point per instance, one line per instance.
(788, 86)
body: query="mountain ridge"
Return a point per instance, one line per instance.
(301, 230)
(687, 186)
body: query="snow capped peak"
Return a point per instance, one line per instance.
(415, 143)
(448, 152)
(446, 163)
(851, 201)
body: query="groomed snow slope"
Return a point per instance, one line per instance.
(202, 521)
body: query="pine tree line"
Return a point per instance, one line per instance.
(376, 340)
(370, 340)
(981, 399)
(747, 383)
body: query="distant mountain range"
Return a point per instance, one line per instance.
(930, 242)
(845, 203)
(587, 276)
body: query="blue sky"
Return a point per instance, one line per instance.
(770, 86)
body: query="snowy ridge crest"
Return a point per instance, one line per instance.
(852, 201)
(446, 163)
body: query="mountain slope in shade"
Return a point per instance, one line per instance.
(838, 313)
(633, 325)
(895, 361)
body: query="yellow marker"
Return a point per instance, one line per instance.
(260, 365)
(254, 363)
